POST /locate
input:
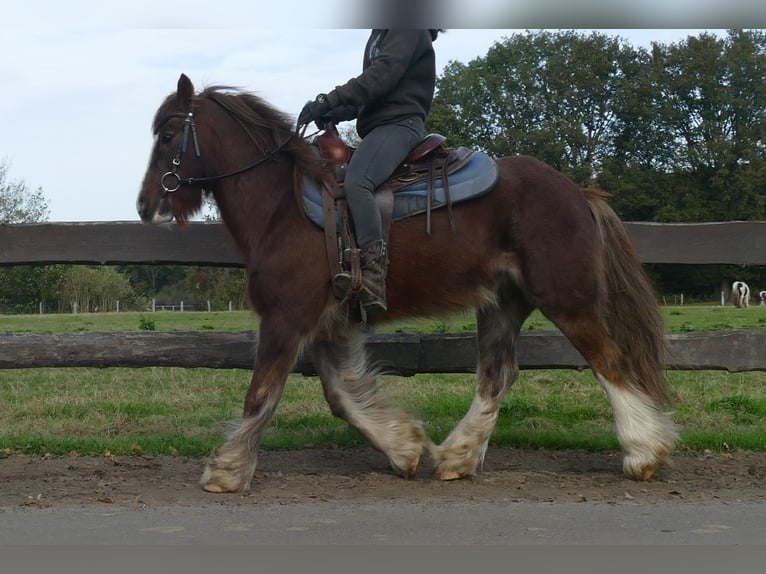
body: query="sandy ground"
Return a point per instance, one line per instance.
(362, 476)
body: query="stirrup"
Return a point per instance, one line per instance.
(376, 305)
(348, 281)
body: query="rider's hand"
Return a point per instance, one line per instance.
(314, 111)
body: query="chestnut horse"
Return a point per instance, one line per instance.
(535, 241)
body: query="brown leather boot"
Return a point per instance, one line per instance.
(374, 264)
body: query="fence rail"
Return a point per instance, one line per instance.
(208, 244)
(403, 354)
(737, 242)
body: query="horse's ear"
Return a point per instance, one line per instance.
(184, 92)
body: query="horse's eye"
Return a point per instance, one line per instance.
(166, 137)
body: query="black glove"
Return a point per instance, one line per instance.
(313, 111)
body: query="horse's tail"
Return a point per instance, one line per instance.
(629, 305)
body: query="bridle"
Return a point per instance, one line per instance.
(190, 128)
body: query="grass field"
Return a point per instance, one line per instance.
(678, 319)
(184, 411)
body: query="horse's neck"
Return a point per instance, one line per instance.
(252, 203)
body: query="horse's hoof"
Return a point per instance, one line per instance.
(220, 488)
(448, 475)
(406, 467)
(215, 488)
(218, 481)
(646, 473)
(642, 472)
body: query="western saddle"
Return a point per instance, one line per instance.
(429, 160)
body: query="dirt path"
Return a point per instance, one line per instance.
(362, 476)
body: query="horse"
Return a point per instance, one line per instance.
(740, 294)
(536, 240)
(762, 297)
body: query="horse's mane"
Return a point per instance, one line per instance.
(267, 127)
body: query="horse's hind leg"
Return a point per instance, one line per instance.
(498, 327)
(349, 385)
(646, 433)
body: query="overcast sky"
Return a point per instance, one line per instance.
(80, 86)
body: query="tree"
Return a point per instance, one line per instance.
(21, 287)
(699, 127)
(19, 204)
(218, 285)
(86, 288)
(711, 99)
(549, 95)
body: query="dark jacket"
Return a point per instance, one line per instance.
(397, 80)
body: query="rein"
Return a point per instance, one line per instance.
(190, 128)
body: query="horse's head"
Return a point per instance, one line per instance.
(170, 188)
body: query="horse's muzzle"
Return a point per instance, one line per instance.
(154, 212)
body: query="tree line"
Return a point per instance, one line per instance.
(675, 133)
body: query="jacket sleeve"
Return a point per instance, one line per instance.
(383, 74)
(344, 113)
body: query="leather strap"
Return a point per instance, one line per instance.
(447, 198)
(429, 197)
(330, 230)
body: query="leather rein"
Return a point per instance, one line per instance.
(190, 129)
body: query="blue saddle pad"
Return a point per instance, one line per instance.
(474, 179)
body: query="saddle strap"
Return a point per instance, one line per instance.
(443, 170)
(447, 198)
(330, 231)
(429, 197)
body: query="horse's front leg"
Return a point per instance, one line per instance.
(230, 468)
(350, 387)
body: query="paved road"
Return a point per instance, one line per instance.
(384, 524)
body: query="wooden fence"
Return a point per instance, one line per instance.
(742, 243)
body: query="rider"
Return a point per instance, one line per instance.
(390, 101)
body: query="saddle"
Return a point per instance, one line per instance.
(429, 161)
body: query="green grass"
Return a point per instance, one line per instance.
(677, 320)
(187, 411)
(129, 321)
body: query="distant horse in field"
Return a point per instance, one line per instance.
(536, 240)
(740, 294)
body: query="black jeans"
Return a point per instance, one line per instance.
(374, 160)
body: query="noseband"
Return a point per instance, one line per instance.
(190, 127)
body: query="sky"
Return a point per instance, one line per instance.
(81, 80)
